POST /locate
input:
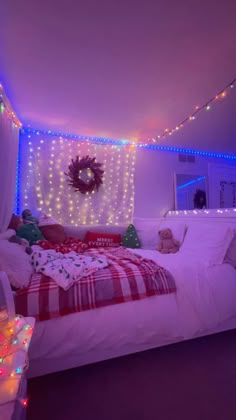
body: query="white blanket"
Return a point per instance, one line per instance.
(66, 269)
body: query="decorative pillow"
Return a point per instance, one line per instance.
(15, 222)
(16, 264)
(147, 231)
(96, 239)
(29, 232)
(53, 233)
(7, 234)
(130, 238)
(230, 256)
(207, 242)
(45, 219)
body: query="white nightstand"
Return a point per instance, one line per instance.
(13, 389)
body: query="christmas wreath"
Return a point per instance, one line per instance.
(85, 175)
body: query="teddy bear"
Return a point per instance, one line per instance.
(167, 243)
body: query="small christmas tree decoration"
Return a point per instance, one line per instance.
(130, 238)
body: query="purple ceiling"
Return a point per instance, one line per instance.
(123, 69)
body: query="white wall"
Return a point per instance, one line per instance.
(154, 179)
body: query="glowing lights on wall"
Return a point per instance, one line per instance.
(203, 212)
(97, 140)
(44, 188)
(206, 106)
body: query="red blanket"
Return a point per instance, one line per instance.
(128, 277)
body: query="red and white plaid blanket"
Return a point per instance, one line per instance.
(128, 277)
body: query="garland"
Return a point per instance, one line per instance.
(74, 174)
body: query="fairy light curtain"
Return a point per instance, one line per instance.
(44, 159)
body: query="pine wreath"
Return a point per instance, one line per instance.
(93, 178)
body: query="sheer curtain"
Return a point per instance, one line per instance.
(9, 136)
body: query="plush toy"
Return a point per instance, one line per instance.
(28, 218)
(130, 238)
(168, 245)
(21, 241)
(30, 232)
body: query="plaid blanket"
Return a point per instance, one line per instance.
(128, 277)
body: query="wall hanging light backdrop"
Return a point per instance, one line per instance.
(43, 159)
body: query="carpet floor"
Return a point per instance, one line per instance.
(193, 380)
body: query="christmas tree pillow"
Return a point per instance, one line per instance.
(130, 238)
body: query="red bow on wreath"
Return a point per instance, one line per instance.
(85, 175)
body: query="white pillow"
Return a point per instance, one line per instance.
(16, 263)
(7, 234)
(178, 229)
(207, 242)
(230, 256)
(147, 231)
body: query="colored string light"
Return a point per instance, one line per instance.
(206, 106)
(147, 145)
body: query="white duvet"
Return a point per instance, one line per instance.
(206, 295)
(205, 302)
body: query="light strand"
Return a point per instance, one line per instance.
(126, 143)
(206, 106)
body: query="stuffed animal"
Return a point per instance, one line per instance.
(21, 241)
(30, 232)
(28, 218)
(167, 244)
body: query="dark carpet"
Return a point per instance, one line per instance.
(193, 380)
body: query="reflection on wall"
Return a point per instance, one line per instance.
(190, 192)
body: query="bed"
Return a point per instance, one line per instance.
(203, 303)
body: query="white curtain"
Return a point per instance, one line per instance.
(9, 136)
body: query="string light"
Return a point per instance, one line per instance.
(14, 339)
(197, 109)
(202, 212)
(44, 182)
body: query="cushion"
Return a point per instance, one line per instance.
(7, 234)
(16, 264)
(45, 219)
(147, 231)
(130, 238)
(207, 242)
(96, 239)
(230, 256)
(53, 233)
(178, 229)
(29, 232)
(15, 222)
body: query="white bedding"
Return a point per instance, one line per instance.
(204, 303)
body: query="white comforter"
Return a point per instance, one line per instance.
(206, 295)
(205, 302)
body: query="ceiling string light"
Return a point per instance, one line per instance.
(150, 143)
(206, 106)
